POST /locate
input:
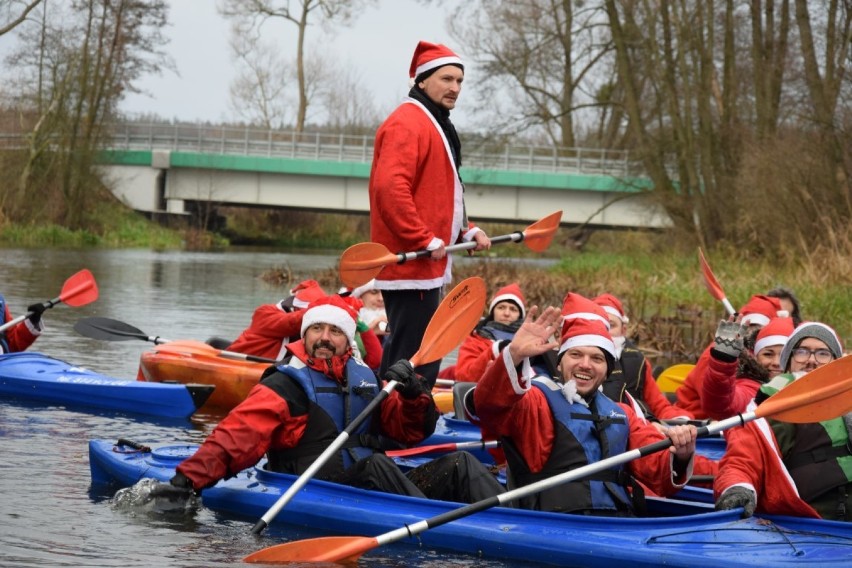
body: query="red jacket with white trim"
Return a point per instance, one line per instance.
(752, 459)
(415, 197)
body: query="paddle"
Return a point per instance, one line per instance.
(80, 289)
(439, 448)
(712, 284)
(362, 262)
(812, 398)
(454, 319)
(114, 330)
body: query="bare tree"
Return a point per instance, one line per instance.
(825, 81)
(252, 14)
(543, 56)
(259, 92)
(14, 12)
(336, 92)
(73, 66)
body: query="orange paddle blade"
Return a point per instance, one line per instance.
(341, 549)
(80, 289)
(710, 281)
(539, 235)
(454, 319)
(362, 262)
(822, 394)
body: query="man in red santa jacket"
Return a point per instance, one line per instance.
(417, 199)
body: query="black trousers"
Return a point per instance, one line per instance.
(457, 476)
(409, 313)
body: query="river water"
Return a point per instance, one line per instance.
(50, 515)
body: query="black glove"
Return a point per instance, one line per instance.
(737, 496)
(411, 385)
(729, 341)
(179, 488)
(35, 313)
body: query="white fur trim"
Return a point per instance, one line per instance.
(410, 284)
(435, 244)
(435, 63)
(329, 314)
(687, 474)
(635, 406)
(587, 316)
(514, 379)
(769, 439)
(283, 351)
(33, 329)
(495, 348)
(590, 340)
(507, 297)
(359, 291)
(468, 236)
(754, 319)
(569, 391)
(614, 312)
(769, 341)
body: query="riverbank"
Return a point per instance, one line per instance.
(671, 312)
(659, 282)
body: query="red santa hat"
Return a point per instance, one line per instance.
(429, 56)
(306, 292)
(361, 290)
(510, 293)
(760, 309)
(332, 310)
(776, 332)
(612, 306)
(580, 332)
(575, 306)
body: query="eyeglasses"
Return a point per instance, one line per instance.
(822, 356)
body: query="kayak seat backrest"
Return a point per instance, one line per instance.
(460, 391)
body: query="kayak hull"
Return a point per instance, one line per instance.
(38, 377)
(196, 362)
(700, 539)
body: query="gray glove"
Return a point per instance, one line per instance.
(179, 488)
(737, 496)
(729, 339)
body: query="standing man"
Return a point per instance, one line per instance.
(417, 200)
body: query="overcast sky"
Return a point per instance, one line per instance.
(379, 43)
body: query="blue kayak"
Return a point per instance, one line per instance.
(38, 377)
(683, 534)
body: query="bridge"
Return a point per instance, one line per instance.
(159, 168)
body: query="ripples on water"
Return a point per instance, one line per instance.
(50, 514)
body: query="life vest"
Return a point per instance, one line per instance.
(820, 459)
(628, 374)
(4, 344)
(582, 436)
(331, 408)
